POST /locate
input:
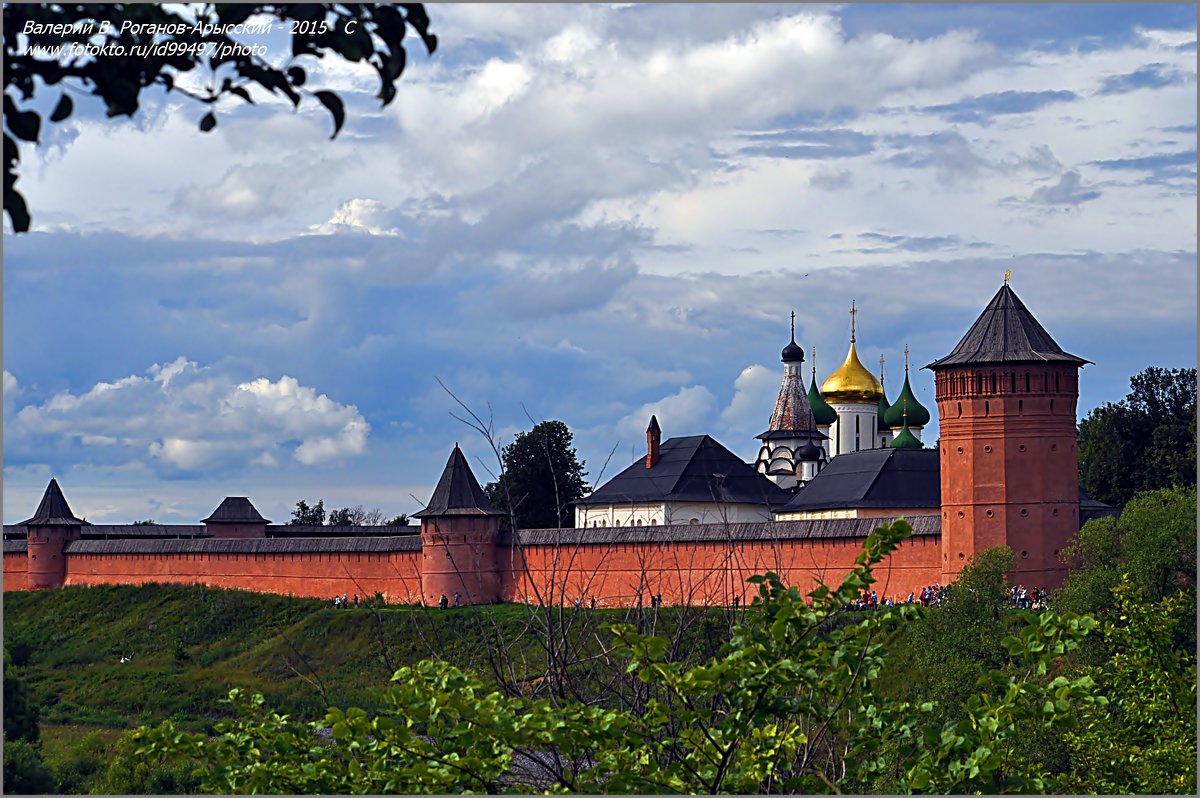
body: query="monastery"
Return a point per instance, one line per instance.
(690, 521)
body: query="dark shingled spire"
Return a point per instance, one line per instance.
(457, 492)
(235, 510)
(54, 511)
(1006, 332)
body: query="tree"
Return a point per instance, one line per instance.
(24, 771)
(20, 711)
(542, 478)
(400, 520)
(147, 522)
(356, 516)
(117, 51)
(1144, 740)
(304, 515)
(1144, 442)
(1153, 542)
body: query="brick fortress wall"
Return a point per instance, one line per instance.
(619, 567)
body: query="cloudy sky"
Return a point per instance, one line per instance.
(585, 213)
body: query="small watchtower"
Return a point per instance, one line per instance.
(460, 531)
(236, 517)
(48, 532)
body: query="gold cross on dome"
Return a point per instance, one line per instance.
(1007, 275)
(906, 358)
(853, 314)
(881, 368)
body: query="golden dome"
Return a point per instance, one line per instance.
(852, 382)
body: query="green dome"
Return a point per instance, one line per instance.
(823, 414)
(883, 408)
(906, 440)
(918, 416)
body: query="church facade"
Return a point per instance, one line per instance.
(690, 522)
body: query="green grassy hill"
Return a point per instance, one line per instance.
(190, 644)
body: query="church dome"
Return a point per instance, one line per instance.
(809, 452)
(792, 353)
(883, 405)
(852, 382)
(906, 440)
(906, 403)
(823, 414)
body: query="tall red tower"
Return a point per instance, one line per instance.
(459, 533)
(52, 527)
(1006, 398)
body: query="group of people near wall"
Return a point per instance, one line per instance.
(1028, 598)
(342, 602)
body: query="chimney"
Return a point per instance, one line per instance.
(653, 438)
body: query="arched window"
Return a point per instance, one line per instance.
(1027, 382)
(978, 383)
(960, 409)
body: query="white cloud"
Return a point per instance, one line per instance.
(196, 419)
(686, 412)
(754, 393)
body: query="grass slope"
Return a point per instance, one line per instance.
(191, 644)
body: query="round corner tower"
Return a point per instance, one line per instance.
(1006, 399)
(460, 531)
(48, 532)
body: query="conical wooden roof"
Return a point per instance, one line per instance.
(457, 492)
(54, 510)
(1006, 332)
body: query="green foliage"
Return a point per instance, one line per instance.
(948, 648)
(21, 712)
(198, 37)
(131, 772)
(1154, 542)
(24, 771)
(77, 768)
(1144, 442)
(304, 515)
(1146, 740)
(147, 522)
(541, 479)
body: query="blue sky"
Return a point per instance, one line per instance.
(587, 213)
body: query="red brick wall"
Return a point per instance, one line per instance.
(16, 571)
(395, 574)
(699, 573)
(705, 573)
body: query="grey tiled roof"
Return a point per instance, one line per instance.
(16, 546)
(235, 510)
(247, 546)
(1006, 332)
(819, 529)
(457, 492)
(694, 468)
(316, 531)
(873, 478)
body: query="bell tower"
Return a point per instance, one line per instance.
(1006, 398)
